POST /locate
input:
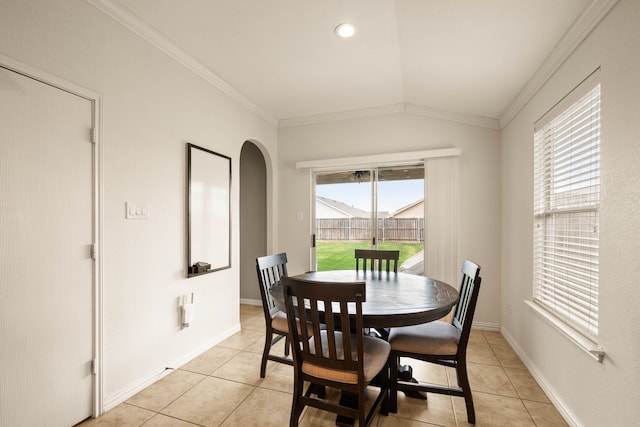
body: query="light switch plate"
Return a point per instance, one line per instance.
(137, 210)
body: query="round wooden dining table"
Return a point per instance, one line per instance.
(392, 299)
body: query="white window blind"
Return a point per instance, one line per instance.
(566, 209)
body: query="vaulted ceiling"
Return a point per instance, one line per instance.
(468, 58)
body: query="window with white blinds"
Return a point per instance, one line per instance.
(566, 208)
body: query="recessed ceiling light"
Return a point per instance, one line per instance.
(345, 30)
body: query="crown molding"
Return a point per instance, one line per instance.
(483, 122)
(574, 36)
(391, 109)
(132, 22)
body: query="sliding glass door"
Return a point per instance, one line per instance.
(379, 208)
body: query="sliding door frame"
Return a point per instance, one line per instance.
(442, 202)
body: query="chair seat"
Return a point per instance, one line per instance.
(375, 355)
(279, 322)
(436, 338)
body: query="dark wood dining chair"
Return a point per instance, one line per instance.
(271, 269)
(377, 259)
(439, 342)
(334, 352)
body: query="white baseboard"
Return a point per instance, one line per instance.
(251, 301)
(483, 326)
(568, 416)
(124, 394)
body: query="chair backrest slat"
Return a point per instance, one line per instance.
(380, 258)
(331, 336)
(346, 337)
(304, 332)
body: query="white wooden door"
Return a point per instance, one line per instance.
(46, 268)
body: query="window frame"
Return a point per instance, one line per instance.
(443, 215)
(570, 303)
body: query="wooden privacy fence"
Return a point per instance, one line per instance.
(389, 229)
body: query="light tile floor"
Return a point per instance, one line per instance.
(222, 387)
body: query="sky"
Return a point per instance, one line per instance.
(392, 195)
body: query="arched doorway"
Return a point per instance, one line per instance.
(253, 219)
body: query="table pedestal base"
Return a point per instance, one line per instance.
(350, 400)
(405, 373)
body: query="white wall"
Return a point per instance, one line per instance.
(480, 163)
(590, 393)
(151, 107)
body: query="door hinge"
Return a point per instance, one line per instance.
(94, 368)
(94, 254)
(92, 135)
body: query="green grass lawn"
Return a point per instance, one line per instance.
(338, 255)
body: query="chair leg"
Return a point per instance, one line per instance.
(265, 353)
(393, 383)
(296, 406)
(384, 384)
(287, 345)
(362, 414)
(463, 382)
(384, 406)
